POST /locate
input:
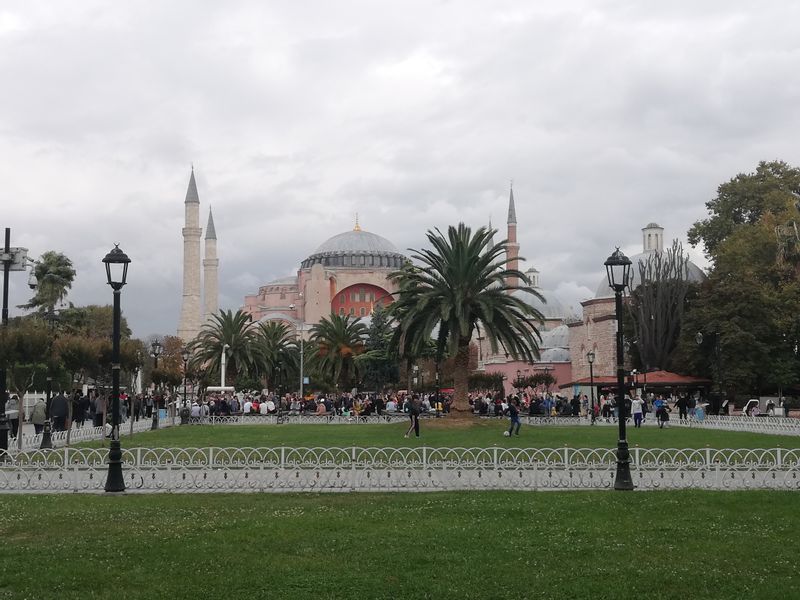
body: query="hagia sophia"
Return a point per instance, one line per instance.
(348, 275)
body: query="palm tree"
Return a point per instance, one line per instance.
(237, 331)
(54, 276)
(460, 285)
(338, 341)
(277, 351)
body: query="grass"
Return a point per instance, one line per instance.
(663, 545)
(445, 433)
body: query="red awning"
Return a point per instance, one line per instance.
(653, 378)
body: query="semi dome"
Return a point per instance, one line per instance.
(694, 274)
(356, 248)
(558, 337)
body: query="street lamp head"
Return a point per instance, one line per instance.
(519, 373)
(156, 349)
(590, 356)
(185, 354)
(698, 338)
(33, 282)
(618, 269)
(116, 263)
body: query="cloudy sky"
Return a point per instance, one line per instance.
(413, 114)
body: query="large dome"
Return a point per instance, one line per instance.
(356, 248)
(695, 274)
(552, 308)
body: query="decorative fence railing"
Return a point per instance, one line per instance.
(84, 434)
(299, 419)
(387, 469)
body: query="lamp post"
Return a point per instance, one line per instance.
(699, 338)
(415, 370)
(155, 351)
(185, 404)
(300, 331)
(517, 382)
(116, 263)
(47, 439)
(13, 259)
(618, 269)
(590, 358)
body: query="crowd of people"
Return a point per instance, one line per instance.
(536, 403)
(345, 404)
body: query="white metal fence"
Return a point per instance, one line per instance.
(32, 441)
(397, 469)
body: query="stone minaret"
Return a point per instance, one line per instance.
(652, 238)
(210, 270)
(190, 321)
(513, 247)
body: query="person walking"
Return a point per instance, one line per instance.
(513, 413)
(39, 415)
(59, 410)
(636, 410)
(413, 414)
(12, 413)
(683, 406)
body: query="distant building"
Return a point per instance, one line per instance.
(346, 275)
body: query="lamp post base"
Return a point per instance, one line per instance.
(154, 427)
(115, 481)
(623, 480)
(47, 439)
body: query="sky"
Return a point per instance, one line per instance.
(606, 115)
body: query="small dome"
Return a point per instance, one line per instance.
(653, 226)
(552, 355)
(695, 275)
(356, 248)
(551, 308)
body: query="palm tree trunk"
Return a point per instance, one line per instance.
(461, 377)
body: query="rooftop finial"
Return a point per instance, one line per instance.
(357, 227)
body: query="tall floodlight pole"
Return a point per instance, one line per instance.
(116, 263)
(618, 268)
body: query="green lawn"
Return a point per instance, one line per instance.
(688, 544)
(444, 433)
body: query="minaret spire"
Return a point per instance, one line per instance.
(512, 249)
(210, 271)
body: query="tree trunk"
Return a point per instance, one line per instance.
(461, 378)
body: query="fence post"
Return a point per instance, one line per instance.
(636, 457)
(211, 457)
(779, 457)
(424, 457)
(708, 456)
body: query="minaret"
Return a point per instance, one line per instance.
(190, 322)
(652, 238)
(210, 271)
(513, 247)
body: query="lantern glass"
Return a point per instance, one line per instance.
(590, 356)
(116, 263)
(618, 269)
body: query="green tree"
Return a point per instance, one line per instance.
(338, 340)
(747, 310)
(54, 274)
(744, 200)
(461, 284)
(378, 362)
(278, 355)
(237, 331)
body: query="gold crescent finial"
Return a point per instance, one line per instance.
(357, 227)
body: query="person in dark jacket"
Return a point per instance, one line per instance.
(513, 413)
(59, 409)
(413, 414)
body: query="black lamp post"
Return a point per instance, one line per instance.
(517, 383)
(116, 263)
(47, 438)
(185, 404)
(155, 351)
(618, 268)
(590, 358)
